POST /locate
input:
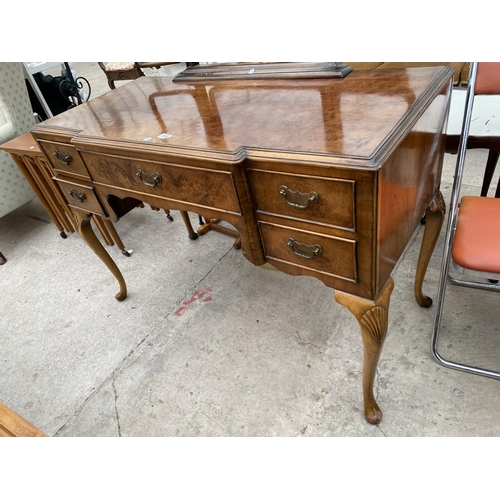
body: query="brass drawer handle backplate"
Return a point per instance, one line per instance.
(303, 250)
(64, 158)
(297, 199)
(150, 180)
(77, 195)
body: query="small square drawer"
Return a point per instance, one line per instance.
(64, 158)
(328, 255)
(323, 200)
(81, 196)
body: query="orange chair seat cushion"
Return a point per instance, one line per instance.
(477, 237)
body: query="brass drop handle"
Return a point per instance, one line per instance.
(150, 180)
(64, 158)
(297, 199)
(303, 250)
(77, 195)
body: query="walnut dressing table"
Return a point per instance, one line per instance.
(321, 176)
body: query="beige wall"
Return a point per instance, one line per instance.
(16, 118)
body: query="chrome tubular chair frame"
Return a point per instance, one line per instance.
(450, 229)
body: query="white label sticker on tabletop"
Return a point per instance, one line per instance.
(164, 136)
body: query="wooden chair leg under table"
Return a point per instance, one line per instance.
(187, 222)
(213, 225)
(185, 217)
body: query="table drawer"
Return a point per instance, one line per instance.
(323, 200)
(81, 196)
(206, 187)
(327, 254)
(64, 158)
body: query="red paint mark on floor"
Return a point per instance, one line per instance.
(180, 311)
(203, 295)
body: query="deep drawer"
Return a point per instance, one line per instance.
(81, 196)
(327, 254)
(206, 187)
(313, 199)
(64, 158)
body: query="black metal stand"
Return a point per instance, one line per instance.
(69, 87)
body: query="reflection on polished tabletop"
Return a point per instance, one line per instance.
(325, 177)
(314, 116)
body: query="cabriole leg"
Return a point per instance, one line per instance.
(373, 318)
(87, 234)
(434, 217)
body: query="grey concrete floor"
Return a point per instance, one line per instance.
(206, 344)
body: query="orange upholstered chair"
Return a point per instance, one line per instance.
(488, 83)
(472, 240)
(477, 235)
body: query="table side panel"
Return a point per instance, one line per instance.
(408, 181)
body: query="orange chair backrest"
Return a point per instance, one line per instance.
(488, 78)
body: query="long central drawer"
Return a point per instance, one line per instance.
(206, 187)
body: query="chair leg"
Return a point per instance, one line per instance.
(489, 171)
(448, 363)
(497, 192)
(187, 222)
(450, 229)
(116, 237)
(445, 267)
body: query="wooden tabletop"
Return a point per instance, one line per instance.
(299, 116)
